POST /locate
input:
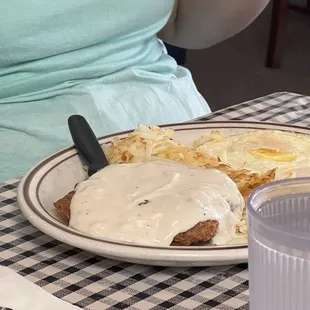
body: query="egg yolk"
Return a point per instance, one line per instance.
(275, 155)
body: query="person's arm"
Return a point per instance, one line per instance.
(197, 24)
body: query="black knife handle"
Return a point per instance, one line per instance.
(87, 144)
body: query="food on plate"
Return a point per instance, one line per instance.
(154, 143)
(151, 160)
(259, 151)
(63, 206)
(149, 143)
(156, 203)
(286, 153)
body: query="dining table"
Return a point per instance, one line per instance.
(92, 282)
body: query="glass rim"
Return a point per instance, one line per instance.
(267, 223)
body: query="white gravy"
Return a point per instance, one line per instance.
(150, 203)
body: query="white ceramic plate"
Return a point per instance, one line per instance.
(57, 175)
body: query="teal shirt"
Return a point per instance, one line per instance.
(98, 58)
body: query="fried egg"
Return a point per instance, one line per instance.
(259, 151)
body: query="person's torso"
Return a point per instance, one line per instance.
(57, 44)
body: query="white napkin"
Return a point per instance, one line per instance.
(18, 293)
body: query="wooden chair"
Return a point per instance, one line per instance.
(277, 30)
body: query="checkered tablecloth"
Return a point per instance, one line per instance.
(93, 282)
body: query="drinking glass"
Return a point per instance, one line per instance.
(279, 246)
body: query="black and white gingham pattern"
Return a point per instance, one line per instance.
(92, 282)
(283, 108)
